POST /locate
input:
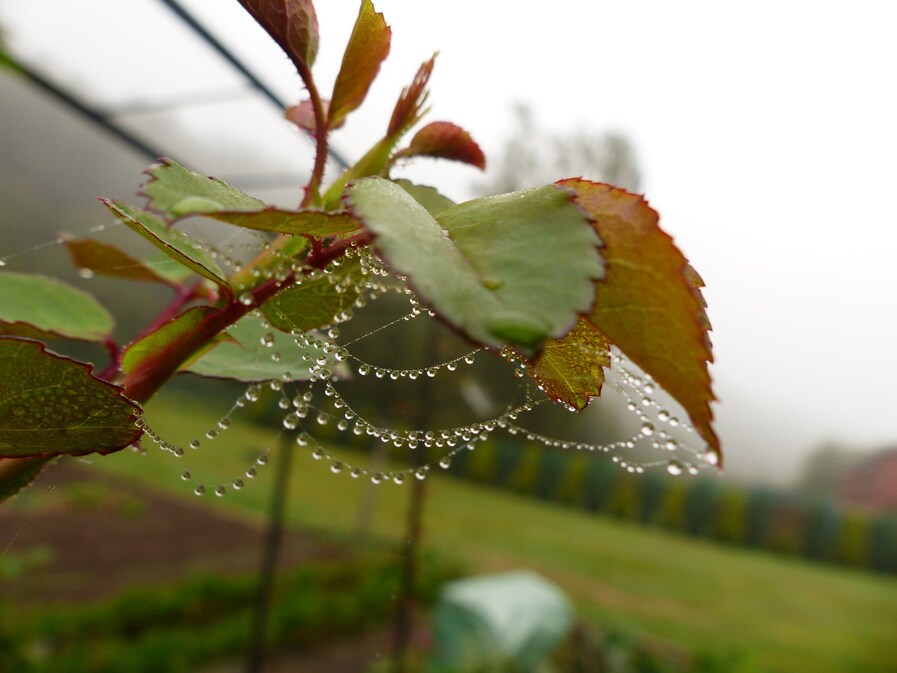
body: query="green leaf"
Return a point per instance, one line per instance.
(509, 270)
(43, 308)
(17, 473)
(292, 23)
(178, 192)
(172, 242)
(52, 405)
(368, 46)
(444, 140)
(428, 197)
(156, 341)
(571, 369)
(107, 260)
(316, 300)
(246, 357)
(650, 304)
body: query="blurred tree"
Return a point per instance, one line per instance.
(853, 546)
(729, 517)
(533, 156)
(824, 468)
(823, 525)
(760, 507)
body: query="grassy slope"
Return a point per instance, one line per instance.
(789, 615)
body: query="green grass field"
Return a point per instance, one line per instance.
(785, 614)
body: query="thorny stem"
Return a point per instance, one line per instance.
(312, 190)
(143, 382)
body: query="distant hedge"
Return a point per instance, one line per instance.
(778, 521)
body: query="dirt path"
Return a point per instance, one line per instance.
(90, 536)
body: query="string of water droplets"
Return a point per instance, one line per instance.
(324, 352)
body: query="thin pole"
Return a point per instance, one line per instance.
(231, 58)
(90, 113)
(270, 554)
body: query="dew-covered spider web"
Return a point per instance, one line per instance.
(314, 402)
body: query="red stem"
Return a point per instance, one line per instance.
(143, 382)
(321, 132)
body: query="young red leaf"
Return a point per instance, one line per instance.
(408, 109)
(571, 369)
(649, 303)
(368, 46)
(107, 260)
(303, 115)
(292, 23)
(445, 141)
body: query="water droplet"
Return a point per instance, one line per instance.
(342, 355)
(693, 470)
(267, 340)
(445, 463)
(323, 418)
(364, 370)
(2, 262)
(318, 453)
(336, 467)
(85, 273)
(246, 299)
(355, 473)
(469, 359)
(251, 473)
(212, 434)
(421, 472)
(238, 484)
(185, 475)
(221, 490)
(431, 372)
(379, 373)
(711, 458)
(262, 460)
(194, 444)
(674, 467)
(451, 366)
(377, 478)
(284, 403)
(399, 478)
(199, 490)
(291, 421)
(224, 423)
(647, 429)
(303, 439)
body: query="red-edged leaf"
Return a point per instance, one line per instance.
(17, 473)
(445, 141)
(303, 115)
(649, 303)
(140, 353)
(571, 369)
(52, 405)
(409, 107)
(292, 23)
(368, 46)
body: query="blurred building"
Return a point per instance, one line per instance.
(872, 483)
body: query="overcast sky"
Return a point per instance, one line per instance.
(765, 132)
